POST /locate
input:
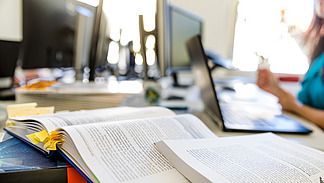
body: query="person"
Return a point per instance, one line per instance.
(310, 99)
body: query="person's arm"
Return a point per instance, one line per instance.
(312, 114)
(268, 82)
(289, 103)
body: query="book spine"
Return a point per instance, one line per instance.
(53, 175)
(74, 166)
(43, 175)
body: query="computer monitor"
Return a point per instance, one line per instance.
(9, 52)
(183, 26)
(175, 26)
(48, 34)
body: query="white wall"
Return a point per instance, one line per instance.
(219, 22)
(11, 20)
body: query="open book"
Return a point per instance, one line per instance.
(112, 145)
(252, 158)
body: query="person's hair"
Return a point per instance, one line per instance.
(314, 39)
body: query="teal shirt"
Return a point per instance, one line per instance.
(312, 92)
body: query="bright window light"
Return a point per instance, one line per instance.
(115, 33)
(149, 21)
(272, 29)
(148, 11)
(150, 57)
(136, 46)
(113, 53)
(138, 59)
(123, 20)
(150, 42)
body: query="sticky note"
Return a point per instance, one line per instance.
(33, 138)
(42, 135)
(49, 140)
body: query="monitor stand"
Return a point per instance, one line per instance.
(176, 83)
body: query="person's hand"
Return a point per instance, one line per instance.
(288, 102)
(268, 82)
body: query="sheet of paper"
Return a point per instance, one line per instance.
(124, 151)
(254, 158)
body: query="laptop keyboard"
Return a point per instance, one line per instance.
(242, 118)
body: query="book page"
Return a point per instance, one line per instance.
(124, 151)
(253, 158)
(53, 121)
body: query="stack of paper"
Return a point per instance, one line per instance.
(80, 96)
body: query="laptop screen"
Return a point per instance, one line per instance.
(203, 78)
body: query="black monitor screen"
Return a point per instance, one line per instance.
(183, 26)
(9, 52)
(48, 34)
(8, 58)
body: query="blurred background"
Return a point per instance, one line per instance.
(92, 40)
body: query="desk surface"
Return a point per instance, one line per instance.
(315, 139)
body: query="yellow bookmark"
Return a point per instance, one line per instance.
(10, 123)
(33, 138)
(49, 140)
(42, 136)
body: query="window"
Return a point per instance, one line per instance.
(272, 29)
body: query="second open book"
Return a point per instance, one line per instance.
(251, 158)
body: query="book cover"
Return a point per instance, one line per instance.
(20, 162)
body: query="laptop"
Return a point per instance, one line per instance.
(230, 117)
